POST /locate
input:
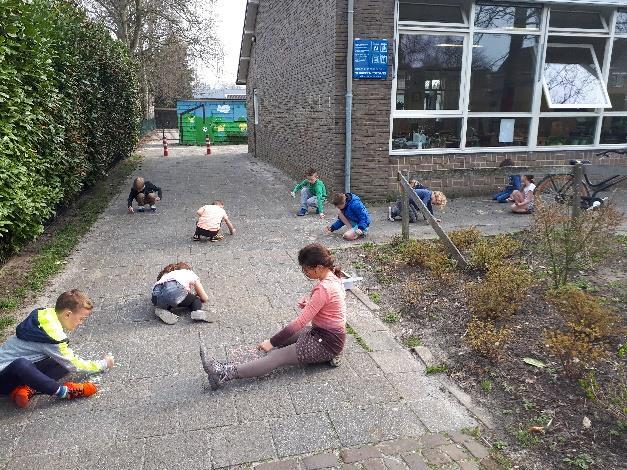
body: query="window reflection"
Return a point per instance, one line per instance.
(506, 16)
(566, 130)
(575, 19)
(429, 72)
(429, 13)
(497, 132)
(621, 22)
(617, 79)
(614, 130)
(426, 133)
(572, 78)
(503, 70)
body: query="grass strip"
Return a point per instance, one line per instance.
(360, 341)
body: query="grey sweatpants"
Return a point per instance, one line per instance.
(302, 348)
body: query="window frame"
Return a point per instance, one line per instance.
(599, 79)
(421, 24)
(609, 12)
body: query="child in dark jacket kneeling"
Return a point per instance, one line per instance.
(352, 213)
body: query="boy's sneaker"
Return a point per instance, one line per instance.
(166, 316)
(302, 212)
(153, 208)
(217, 238)
(78, 390)
(201, 315)
(141, 209)
(21, 395)
(336, 361)
(390, 218)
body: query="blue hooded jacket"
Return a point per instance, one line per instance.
(355, 211)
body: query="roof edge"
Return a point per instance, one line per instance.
(248, 34)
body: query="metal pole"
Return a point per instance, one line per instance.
(349, 100)
(577, 182)
(405, 215)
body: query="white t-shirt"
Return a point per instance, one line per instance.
(211, 217)
(184, 277)
(528, 190)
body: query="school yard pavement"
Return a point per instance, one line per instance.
(154, 409)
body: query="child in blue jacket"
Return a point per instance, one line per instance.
(515, 183)
(352, 213)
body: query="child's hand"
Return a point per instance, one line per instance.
(293, 194)
(232, 232)
(327, 229)
(157, 198)
(321, 215)
(302, 302)
(130, 210)
(265, 346)
(110, 361)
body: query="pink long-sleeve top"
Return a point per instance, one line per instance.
(325, 309)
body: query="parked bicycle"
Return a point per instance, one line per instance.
(560, 188)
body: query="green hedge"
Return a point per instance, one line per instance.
(69, 109)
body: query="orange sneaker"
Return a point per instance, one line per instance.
(22, 394)
(83, 389)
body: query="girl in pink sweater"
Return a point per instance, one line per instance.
(325, 309)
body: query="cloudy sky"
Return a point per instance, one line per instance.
(229, 24)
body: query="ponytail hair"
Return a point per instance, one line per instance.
(316, 254)
(173, 267)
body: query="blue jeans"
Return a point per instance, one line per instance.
(503, 195)
(172, 294)
(306, 199)
(41, 376)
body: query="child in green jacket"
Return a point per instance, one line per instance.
(313, 193)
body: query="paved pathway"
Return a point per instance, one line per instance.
(154, 409)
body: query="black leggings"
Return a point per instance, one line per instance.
(192, 302)
(41, 376)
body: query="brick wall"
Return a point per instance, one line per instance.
(293, 69)
(299, 69)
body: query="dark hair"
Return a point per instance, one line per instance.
(314, 255)
(530, 178)
(72, 300)
(506, 162)
(339, 199)
(173, 267)
(311, 172)
(218, 202)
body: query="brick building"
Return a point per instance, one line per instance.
(468, 83)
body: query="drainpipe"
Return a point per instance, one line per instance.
(349, 101)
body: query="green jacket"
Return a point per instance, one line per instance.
(317, 189)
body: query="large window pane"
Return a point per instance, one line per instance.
(566, 130)
(497, 132)
(614, 130)
(617, 79)
(621, 22)
(503, 69)
(507, 16)
(575, 19)
(426, 133)
(430, 13)
(429, 71)
(572, 78)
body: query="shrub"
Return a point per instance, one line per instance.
(485, 338)
(501, 292)
(465, 238)
(69, 109)
(412, 292)
(490, 251)
(572, 243)
(428, 255)
(574, 351)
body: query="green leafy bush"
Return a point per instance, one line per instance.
(69, 109)
(490, 251)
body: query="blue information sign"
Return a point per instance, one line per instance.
(370, 58)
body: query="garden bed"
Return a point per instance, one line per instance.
(545, 417)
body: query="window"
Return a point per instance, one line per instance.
(506, 17)
(503, 71)
(569, 19)
(426, 133)
(489, 75)
(430, 13)
(572, 78)
(617, 77)
(429, 72)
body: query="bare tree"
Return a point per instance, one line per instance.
(153, 28)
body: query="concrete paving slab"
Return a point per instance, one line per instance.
(303, 434)
(248, 442)
(178, 451)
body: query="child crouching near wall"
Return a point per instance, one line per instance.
(297, 344)
(38, 356)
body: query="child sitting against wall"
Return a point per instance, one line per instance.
(178, 287)
(514, 183)
(313, 193)
(145, 193)
(428, 197)
(38, 356)
(323, 341)
(523, 200)
(352, 213)
(210, 218)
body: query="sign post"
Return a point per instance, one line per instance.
(370, 59)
